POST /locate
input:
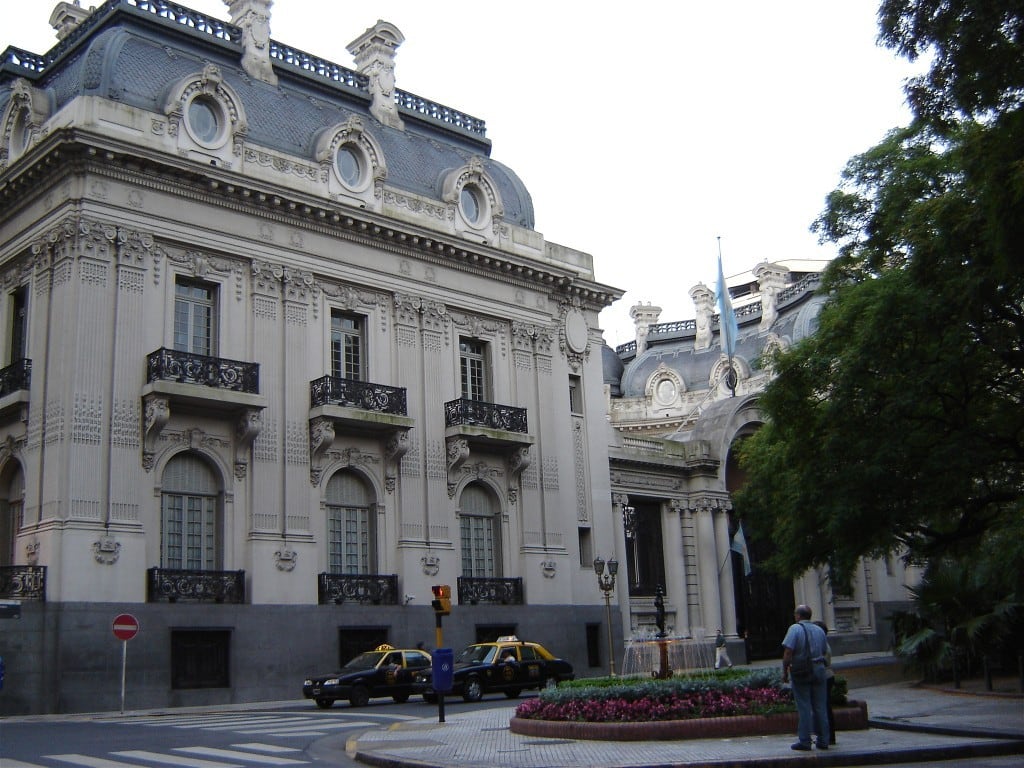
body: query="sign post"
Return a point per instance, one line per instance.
(125, 628)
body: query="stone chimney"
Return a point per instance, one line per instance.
(771, 279)
(374, 53)
(253, 16)
(704, 302)
(644, 316)
(67, 16)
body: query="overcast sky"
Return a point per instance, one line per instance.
(643, 130)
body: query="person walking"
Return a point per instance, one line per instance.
(721, 652)
(830, 682)
(803, 661)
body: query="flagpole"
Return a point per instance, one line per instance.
(726, 324)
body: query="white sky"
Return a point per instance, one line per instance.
(643, 130)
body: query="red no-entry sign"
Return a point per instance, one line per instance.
(126, 626)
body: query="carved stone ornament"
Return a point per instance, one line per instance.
(576, 332)
(106, 550)
(548, 568)
(431, 564)
(574, 335)
(32, 552)
(285, 558)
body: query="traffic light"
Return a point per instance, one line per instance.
(442, 602)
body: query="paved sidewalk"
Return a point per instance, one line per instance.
(908, 724)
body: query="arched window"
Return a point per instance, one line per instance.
(190, 525)
(351, 531)
(478, 525)
(12, 492)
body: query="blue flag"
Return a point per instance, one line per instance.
(726, 317)
(739, 545)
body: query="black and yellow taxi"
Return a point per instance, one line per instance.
(508, 665)
(384, 671)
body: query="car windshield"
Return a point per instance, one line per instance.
(366, 660)
(475, 654)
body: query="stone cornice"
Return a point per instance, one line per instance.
(68, 152)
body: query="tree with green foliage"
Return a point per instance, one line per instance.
(898, 426)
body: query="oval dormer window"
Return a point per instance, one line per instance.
(349, 164)
(471, 201)
(205, 120)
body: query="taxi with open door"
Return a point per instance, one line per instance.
(384, 671)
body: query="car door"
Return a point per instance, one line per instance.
(413, 662)
(505, 670)
(531, 667)
(389, 674)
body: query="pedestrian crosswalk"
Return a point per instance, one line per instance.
(237, 756)
(268, 724)
(245, 754)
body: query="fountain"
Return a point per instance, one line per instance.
(662, 656)
(656, 656)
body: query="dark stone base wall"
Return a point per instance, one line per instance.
(64, 658)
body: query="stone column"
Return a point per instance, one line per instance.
(726, 584)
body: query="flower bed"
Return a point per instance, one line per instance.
(739, 702)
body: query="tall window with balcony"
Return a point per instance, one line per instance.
(190, 530)
(478, 527)
(351, 533)
(195, 316)
(473, 370)
(19, 325)
(347, 346)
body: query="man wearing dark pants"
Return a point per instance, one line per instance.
(805, 639)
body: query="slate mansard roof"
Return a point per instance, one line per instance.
(671, 344)
(132, 51)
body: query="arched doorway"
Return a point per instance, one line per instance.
(764, 602)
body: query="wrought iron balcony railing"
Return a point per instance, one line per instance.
(369, 588)
(464, 412)
(187, 368)
(495, 591)
(23, 582)
(175, 585)
(16, 377)
(334, 390)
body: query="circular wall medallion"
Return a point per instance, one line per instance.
(576, 331)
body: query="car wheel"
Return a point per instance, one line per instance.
(430, 698)
(512, 693)
(325, 703)
(472, 690)
(359, 697)
(400, 698)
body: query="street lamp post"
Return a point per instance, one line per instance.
(606, 582)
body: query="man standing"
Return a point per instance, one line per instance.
(804, 656)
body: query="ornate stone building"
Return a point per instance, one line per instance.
(283, 350)
(678, 406)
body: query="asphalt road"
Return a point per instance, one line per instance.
(275, 734)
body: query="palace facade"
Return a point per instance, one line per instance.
(283, 350)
